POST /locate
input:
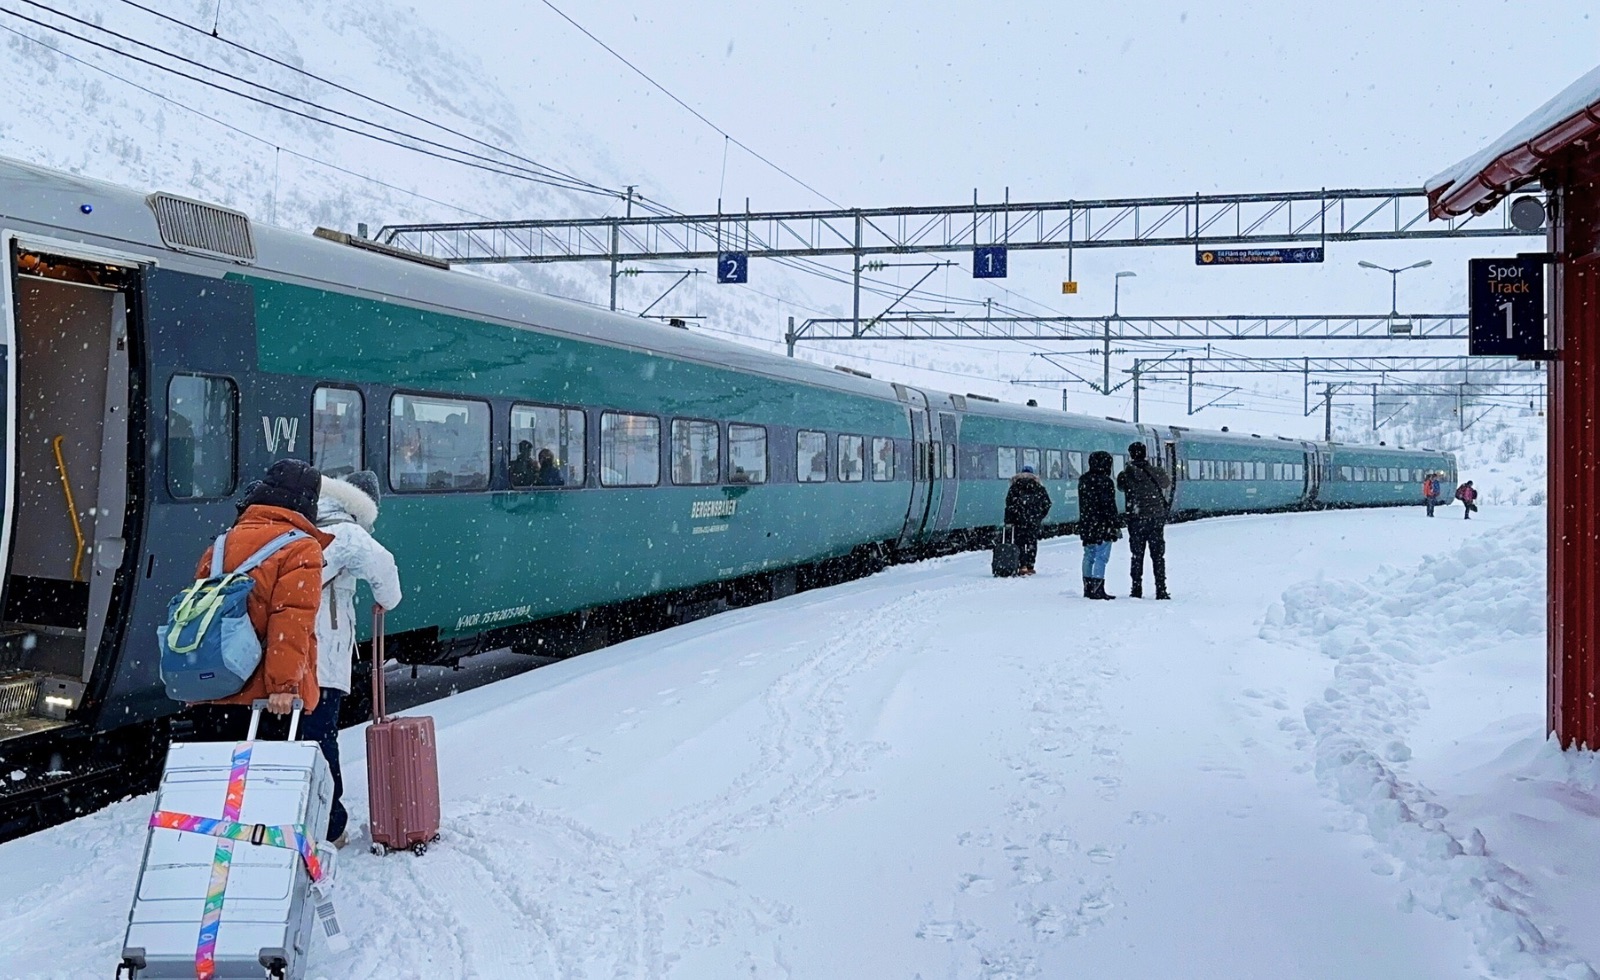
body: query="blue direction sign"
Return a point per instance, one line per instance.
(1505, 313)
(733, 267)
(1257, 256)
(989, 262)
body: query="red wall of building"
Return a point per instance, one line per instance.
(1574, 432)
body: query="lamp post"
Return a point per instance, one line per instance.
(1394, 279)
(1116, 314)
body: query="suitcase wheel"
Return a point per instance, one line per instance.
(377, 849)
(419, 848)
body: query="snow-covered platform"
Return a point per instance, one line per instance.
(1323, 759)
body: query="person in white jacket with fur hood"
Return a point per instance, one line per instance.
(347, 509)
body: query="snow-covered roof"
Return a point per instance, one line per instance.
(1482, 178)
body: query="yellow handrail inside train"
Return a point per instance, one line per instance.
(72, 507)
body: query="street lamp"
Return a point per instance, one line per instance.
(1116, 291)
(1394, 279)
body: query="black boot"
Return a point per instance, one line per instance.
(1100, 589)
(1088, 587)
(1136, 590)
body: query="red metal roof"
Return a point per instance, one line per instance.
(1481, 180)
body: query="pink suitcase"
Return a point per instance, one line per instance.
(402, 769)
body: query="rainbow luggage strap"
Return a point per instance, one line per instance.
(229, 829)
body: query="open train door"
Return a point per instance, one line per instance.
(67, 474)
(921, 472)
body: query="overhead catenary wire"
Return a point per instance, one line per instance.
(234, 128)
(477, 161)
(691, 109)
(323, 80)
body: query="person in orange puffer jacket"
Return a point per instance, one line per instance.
(284, 602)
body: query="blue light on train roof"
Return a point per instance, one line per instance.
(86, 208)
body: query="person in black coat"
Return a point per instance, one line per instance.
(1027, 503)
(1145, 487)
(1099, 524)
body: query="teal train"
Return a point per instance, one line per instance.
(555, 477)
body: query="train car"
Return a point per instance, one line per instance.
(555, 477)
(1377, 476)
(1225, 473)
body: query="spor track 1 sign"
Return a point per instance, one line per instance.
(1506, 307)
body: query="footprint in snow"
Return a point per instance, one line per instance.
(1103, 854)
(663, 693)
(1144, 818)
(975, 884)
(946, 930)
(1059, 843)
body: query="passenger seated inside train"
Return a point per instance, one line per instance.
(549, 474)
(523, 469)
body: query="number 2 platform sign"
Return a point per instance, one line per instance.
(1506, 307)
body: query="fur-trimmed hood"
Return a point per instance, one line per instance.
(1025, 477)
(341, 500)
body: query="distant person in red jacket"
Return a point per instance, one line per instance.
(1468, 497)
(1432, 490)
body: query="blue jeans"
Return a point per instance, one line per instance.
(322, 727)
(1095, 557)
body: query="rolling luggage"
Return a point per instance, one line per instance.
(234, 867)
(402, 769)
(1007, 559)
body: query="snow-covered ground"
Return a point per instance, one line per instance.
(1323, 759)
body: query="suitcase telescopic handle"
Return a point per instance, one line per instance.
(380, 709)
(260, 704)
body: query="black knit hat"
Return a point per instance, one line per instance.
(290, 484)
(1137, 451)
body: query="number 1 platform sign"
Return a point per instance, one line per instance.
(1506, 307)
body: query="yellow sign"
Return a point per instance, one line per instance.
(1069, 287)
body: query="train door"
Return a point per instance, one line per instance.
(1313, 468)
(67, 489)
(948, 468)
(1169, 456)
(917, 508)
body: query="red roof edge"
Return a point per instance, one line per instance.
(1484, 189)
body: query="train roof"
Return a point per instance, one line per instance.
(121, 218)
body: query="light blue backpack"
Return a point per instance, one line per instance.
(209, 647)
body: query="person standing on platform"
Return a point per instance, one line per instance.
(1027, 503)
(1144, 486)
(1099, 524)
(283, 600)
(1468, 495)
(347, 510)
(1432, 488)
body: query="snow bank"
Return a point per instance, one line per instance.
(1383, 635)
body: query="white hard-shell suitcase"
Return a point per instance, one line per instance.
(252, 814)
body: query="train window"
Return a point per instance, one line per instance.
(1074, 465)
(1345, 474)
(1235, 469)
(438, 443)
(1194, 469)
(201, 436)
(811, 456)
(1118, 461)
(336, 431)
(949, 460)
(851, 464)
(547, 446)
(1261, 471)
(630, 450)
(747, 454)
(1008, 463)
(696, 452)
(1277, 471)
(1030, 457)
(882, 458)
(1054, 465)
